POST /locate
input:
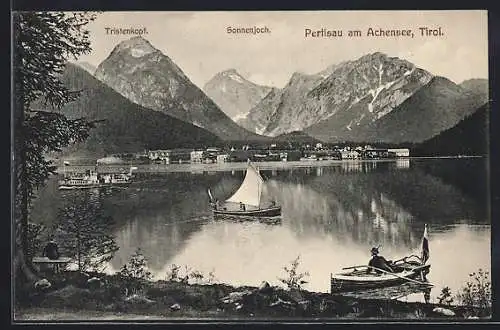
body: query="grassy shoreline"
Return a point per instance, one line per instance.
(73, 296)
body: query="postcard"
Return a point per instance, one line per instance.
(251, 165)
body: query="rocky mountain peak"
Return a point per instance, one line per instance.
(137, 46)
(234, 94)
(146, 76)
(351, 94)
(231, 74)
(298, 77)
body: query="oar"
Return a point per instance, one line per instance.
(402, 277)
(364, 266)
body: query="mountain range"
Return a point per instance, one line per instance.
(373, 98)
(124, 126)
(86, 66)
(147, 77)
(234, 94)
(438, 105)
(146, 101)
(468, 137)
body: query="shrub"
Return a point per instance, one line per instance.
(445, 298)
(211, 277)
(477, 293)
(294, 279)
(135, 273)
(175, 275)
(197, 276)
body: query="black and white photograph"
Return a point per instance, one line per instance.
(250, 166)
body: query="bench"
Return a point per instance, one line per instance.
(55, 264)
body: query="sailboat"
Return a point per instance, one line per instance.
(246, 201)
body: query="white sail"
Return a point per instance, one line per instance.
(250, 191)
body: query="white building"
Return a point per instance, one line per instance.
(349, 154)
(196, 156)
(222, 158)
(400, 152)
(163, 155)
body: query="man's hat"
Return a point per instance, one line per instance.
(374, 250)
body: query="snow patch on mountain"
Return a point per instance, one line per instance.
(236, 78)
(260, 130)
(240, 116)
(139, 52)
(173, 86)
(195, 123)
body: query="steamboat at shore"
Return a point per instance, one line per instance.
(93, 179)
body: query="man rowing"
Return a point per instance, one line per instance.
(379, 262)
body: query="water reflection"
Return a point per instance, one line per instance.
(332, 215)
(403, 163)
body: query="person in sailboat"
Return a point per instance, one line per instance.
(379, 262)
(242, 207)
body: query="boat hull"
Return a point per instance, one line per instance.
(342, 283)
(267, 212)
(91, 186)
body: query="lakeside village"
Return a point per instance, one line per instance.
(257, 154)
(216, 155)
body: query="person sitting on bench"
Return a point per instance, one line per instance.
(51, 250)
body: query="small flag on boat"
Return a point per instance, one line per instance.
(425, 246)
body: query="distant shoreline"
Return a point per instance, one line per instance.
(236, 166)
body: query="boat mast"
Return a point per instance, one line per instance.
(259, 188)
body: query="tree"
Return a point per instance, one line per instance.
(135, 273)
(294, 279)
(85, 232)
(42, 44)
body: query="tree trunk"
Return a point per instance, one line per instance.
(22, 269)
(22, 266)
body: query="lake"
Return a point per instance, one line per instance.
(332, 216)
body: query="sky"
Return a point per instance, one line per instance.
(199, 43)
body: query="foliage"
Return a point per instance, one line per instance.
(477, 292)
(42, 43)
(135, 272)
(48, 132)
(294, 279)
(174, 275)
(445, 297)
(84, 232)
(35, 231)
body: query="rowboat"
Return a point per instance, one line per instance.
(411, 268)
(257, 212)
(358, 277)
(247, 201)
